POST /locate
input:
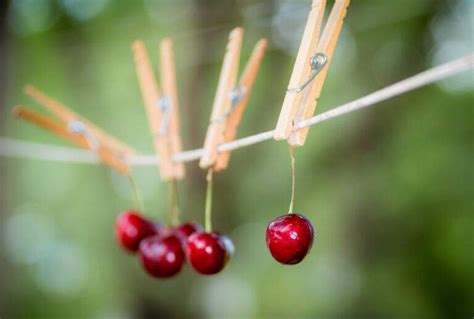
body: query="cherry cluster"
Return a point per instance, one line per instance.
(163, 251)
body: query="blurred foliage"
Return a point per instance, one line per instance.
(389, 189)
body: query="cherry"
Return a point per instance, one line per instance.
(208, 253)
(131, 228)
(185, 230)
(161, 257)
(289, 238)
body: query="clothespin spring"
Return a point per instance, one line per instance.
(164, 104)
(317, 63)
(79, 128)
(235, 95)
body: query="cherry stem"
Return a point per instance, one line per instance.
(208, 207)
(174, 203)
(136, 194)
(293, 178)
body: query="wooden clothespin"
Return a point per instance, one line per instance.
(170, 92)
(230, 100)
(77, 130)
(309, 71)
(66, 115)
(244, 88)
(162, 110)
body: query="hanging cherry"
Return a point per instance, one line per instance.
(290, 237)
(131, 228)
(161, 257)
(208, 253)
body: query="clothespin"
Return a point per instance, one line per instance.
(162, 110)
(66, 115)
(76, 132)
(310, 69)
(170, 92)
(230, 100)
(240, 100)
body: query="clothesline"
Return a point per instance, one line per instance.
(21, 149)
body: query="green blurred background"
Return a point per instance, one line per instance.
(388, 189)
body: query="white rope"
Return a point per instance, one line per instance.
(15, 148)
(22, 149)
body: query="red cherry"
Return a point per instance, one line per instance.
(207, 252)
(185, 230)
(161, 257)
(289, 238)
(131, 228)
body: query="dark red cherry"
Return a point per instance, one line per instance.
(161, 257)
(131, 228)
(185, 230)
(289, 238)
(207, 252)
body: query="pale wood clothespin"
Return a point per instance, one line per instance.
(66, 115)
(170, 91)
(244, 87)
(162, 110)
(77, 130)
(230, 100)
(310, 69)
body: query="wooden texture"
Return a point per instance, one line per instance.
(168, 82)
(246, 82)
(301, 70)
(151, 96)
(222, 102)
(29, 150)
(66, 115)
(326, 45)
(60, 129)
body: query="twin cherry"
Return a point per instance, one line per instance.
(163, 251)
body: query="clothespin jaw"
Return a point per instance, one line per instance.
(170, 93)
(301, 70)
(108, 156)
(222, 102)
(310, 70)
(66, 115)
(244, 88)
(155, 107)
(326, 46)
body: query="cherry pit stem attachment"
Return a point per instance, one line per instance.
(208, 207)
(293, 177)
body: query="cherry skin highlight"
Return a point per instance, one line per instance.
(229, 245)
(289, 238)
(161, 257)
(208, 253)
(131, 228)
